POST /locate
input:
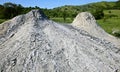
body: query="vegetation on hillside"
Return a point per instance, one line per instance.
(9, 10)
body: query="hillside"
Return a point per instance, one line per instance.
(86, 7)
(72, 11)
(67, 10)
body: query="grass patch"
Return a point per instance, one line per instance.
(2, 20)
(61, 20)
(110, 24)
(114, 12)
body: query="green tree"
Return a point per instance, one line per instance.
(64, 14)
(1, 11)
(98, 14)
(118, 4)
(10, 10)
(19, 9)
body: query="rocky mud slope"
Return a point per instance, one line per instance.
(33, 43)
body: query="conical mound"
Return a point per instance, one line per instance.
(32, 43)
(87, 22)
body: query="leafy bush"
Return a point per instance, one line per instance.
(98, 14)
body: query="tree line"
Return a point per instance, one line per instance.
(9, 10)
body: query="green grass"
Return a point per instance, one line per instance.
(115, 12)
(110, 24)
(2, 20)
(61, 20)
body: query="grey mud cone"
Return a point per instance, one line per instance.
(33, 43)
(87, 22)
